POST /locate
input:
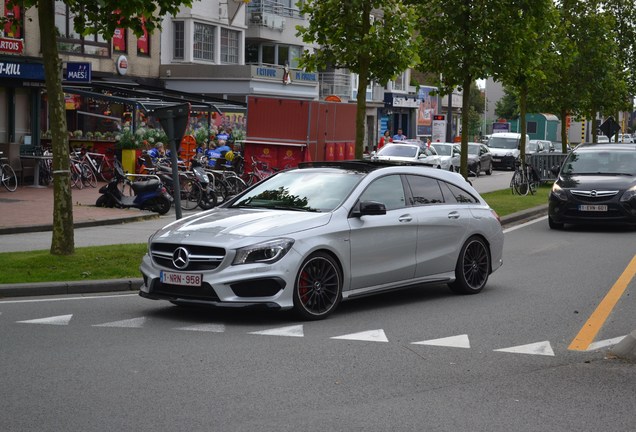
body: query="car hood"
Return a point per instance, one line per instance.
(596, 182)
(503, 152)
(237, 223)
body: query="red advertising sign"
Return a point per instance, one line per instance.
(13, 29)
(11, 46)
(119, 40)
(143, 43)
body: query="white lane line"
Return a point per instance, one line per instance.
(55, 320)
(460, 341)
(523, 225)
(368, 336)
(97, 297)
(214, 328)
(129, 323)
(604, 343)
(293, 331)
(538, 348)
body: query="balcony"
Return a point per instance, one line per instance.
(336, 83)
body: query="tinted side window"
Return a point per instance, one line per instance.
(457, 195)
(424, 190)
(387, 190)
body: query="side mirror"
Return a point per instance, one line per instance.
(368, 208)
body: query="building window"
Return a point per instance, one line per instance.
(203, 42)
(179, 40)
(295, 52)
(69, 41)
(269, 54)
(251, 53)
(229, 46)
(400, 82)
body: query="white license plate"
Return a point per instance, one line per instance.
(593, 208)
(185, 279)
(496, 159)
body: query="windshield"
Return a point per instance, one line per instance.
(532, 146)
(605, 162)
(503, 143)
(398, 150)
(302, 190)
(443, 150)
(473, 149)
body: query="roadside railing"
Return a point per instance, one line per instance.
(543, 163)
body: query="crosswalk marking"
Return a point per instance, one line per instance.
(55, 320)
(538, 348)
(369, 336)
(460, 341)
(293, 331)
(129, 323)
(214, 328)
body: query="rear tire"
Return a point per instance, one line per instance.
(473, 267)
(162, 205)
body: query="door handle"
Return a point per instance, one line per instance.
(453, 215)
(405, 218)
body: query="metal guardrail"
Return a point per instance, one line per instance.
(543, 163)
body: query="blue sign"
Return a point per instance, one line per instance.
(27, 71)
(78, 72)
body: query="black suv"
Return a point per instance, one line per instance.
(596, 185)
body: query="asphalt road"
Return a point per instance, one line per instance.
(416, 360)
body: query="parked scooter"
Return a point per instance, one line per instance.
(147, 195)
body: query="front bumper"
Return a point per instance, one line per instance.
(570, 212)
(506, 162)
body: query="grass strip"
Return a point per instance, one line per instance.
(122, 261)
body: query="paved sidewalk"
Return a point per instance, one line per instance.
(30, 209)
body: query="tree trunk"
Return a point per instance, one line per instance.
(523, 127)
(62, 242)
(361, 109)
(463, 167)
(564, 131)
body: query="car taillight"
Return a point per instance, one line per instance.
(494, 213)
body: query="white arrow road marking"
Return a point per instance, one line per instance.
(130, 323)
(538, 348)
(369, 336)
(460, 341)
(214, 328)
(294, 331)
(604, 343)
(56, 320)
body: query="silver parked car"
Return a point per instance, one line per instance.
(449, 155)
(307, 238)
(409, 151)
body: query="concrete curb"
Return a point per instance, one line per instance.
(97, 286)
(626, 349)
(85, 224)
(75, 287)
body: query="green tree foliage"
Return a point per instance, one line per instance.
(346, 37)
(457, 43)
(97, 17)
(508, 106)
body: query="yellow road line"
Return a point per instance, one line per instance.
(594, 323)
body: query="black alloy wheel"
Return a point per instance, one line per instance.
(318, 287)
(473, 267)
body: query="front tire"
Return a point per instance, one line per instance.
(473, 267)
(318, 287)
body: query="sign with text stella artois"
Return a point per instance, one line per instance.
(11, 46)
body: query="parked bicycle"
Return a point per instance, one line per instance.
(81, 174)
(524, 180)
(9, 179)
(260, 171)
(100, 164)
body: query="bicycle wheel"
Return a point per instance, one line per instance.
(190, 194)
(106, 170)
(76, 176)
(234, 185)
(520, 183)
(220, 189)
(88, 176)
(45, 172)
(252, 179)
(9, 179)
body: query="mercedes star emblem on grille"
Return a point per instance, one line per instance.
(180, 258)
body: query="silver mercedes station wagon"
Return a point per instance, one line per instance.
(307, 238)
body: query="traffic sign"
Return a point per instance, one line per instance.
(610, 127)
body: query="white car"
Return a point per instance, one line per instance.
(307, 238)
(625, 138)
(404, 151)
(449, 154)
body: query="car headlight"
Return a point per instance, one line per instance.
(559, 193)
(268, 252)
(629, 194)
